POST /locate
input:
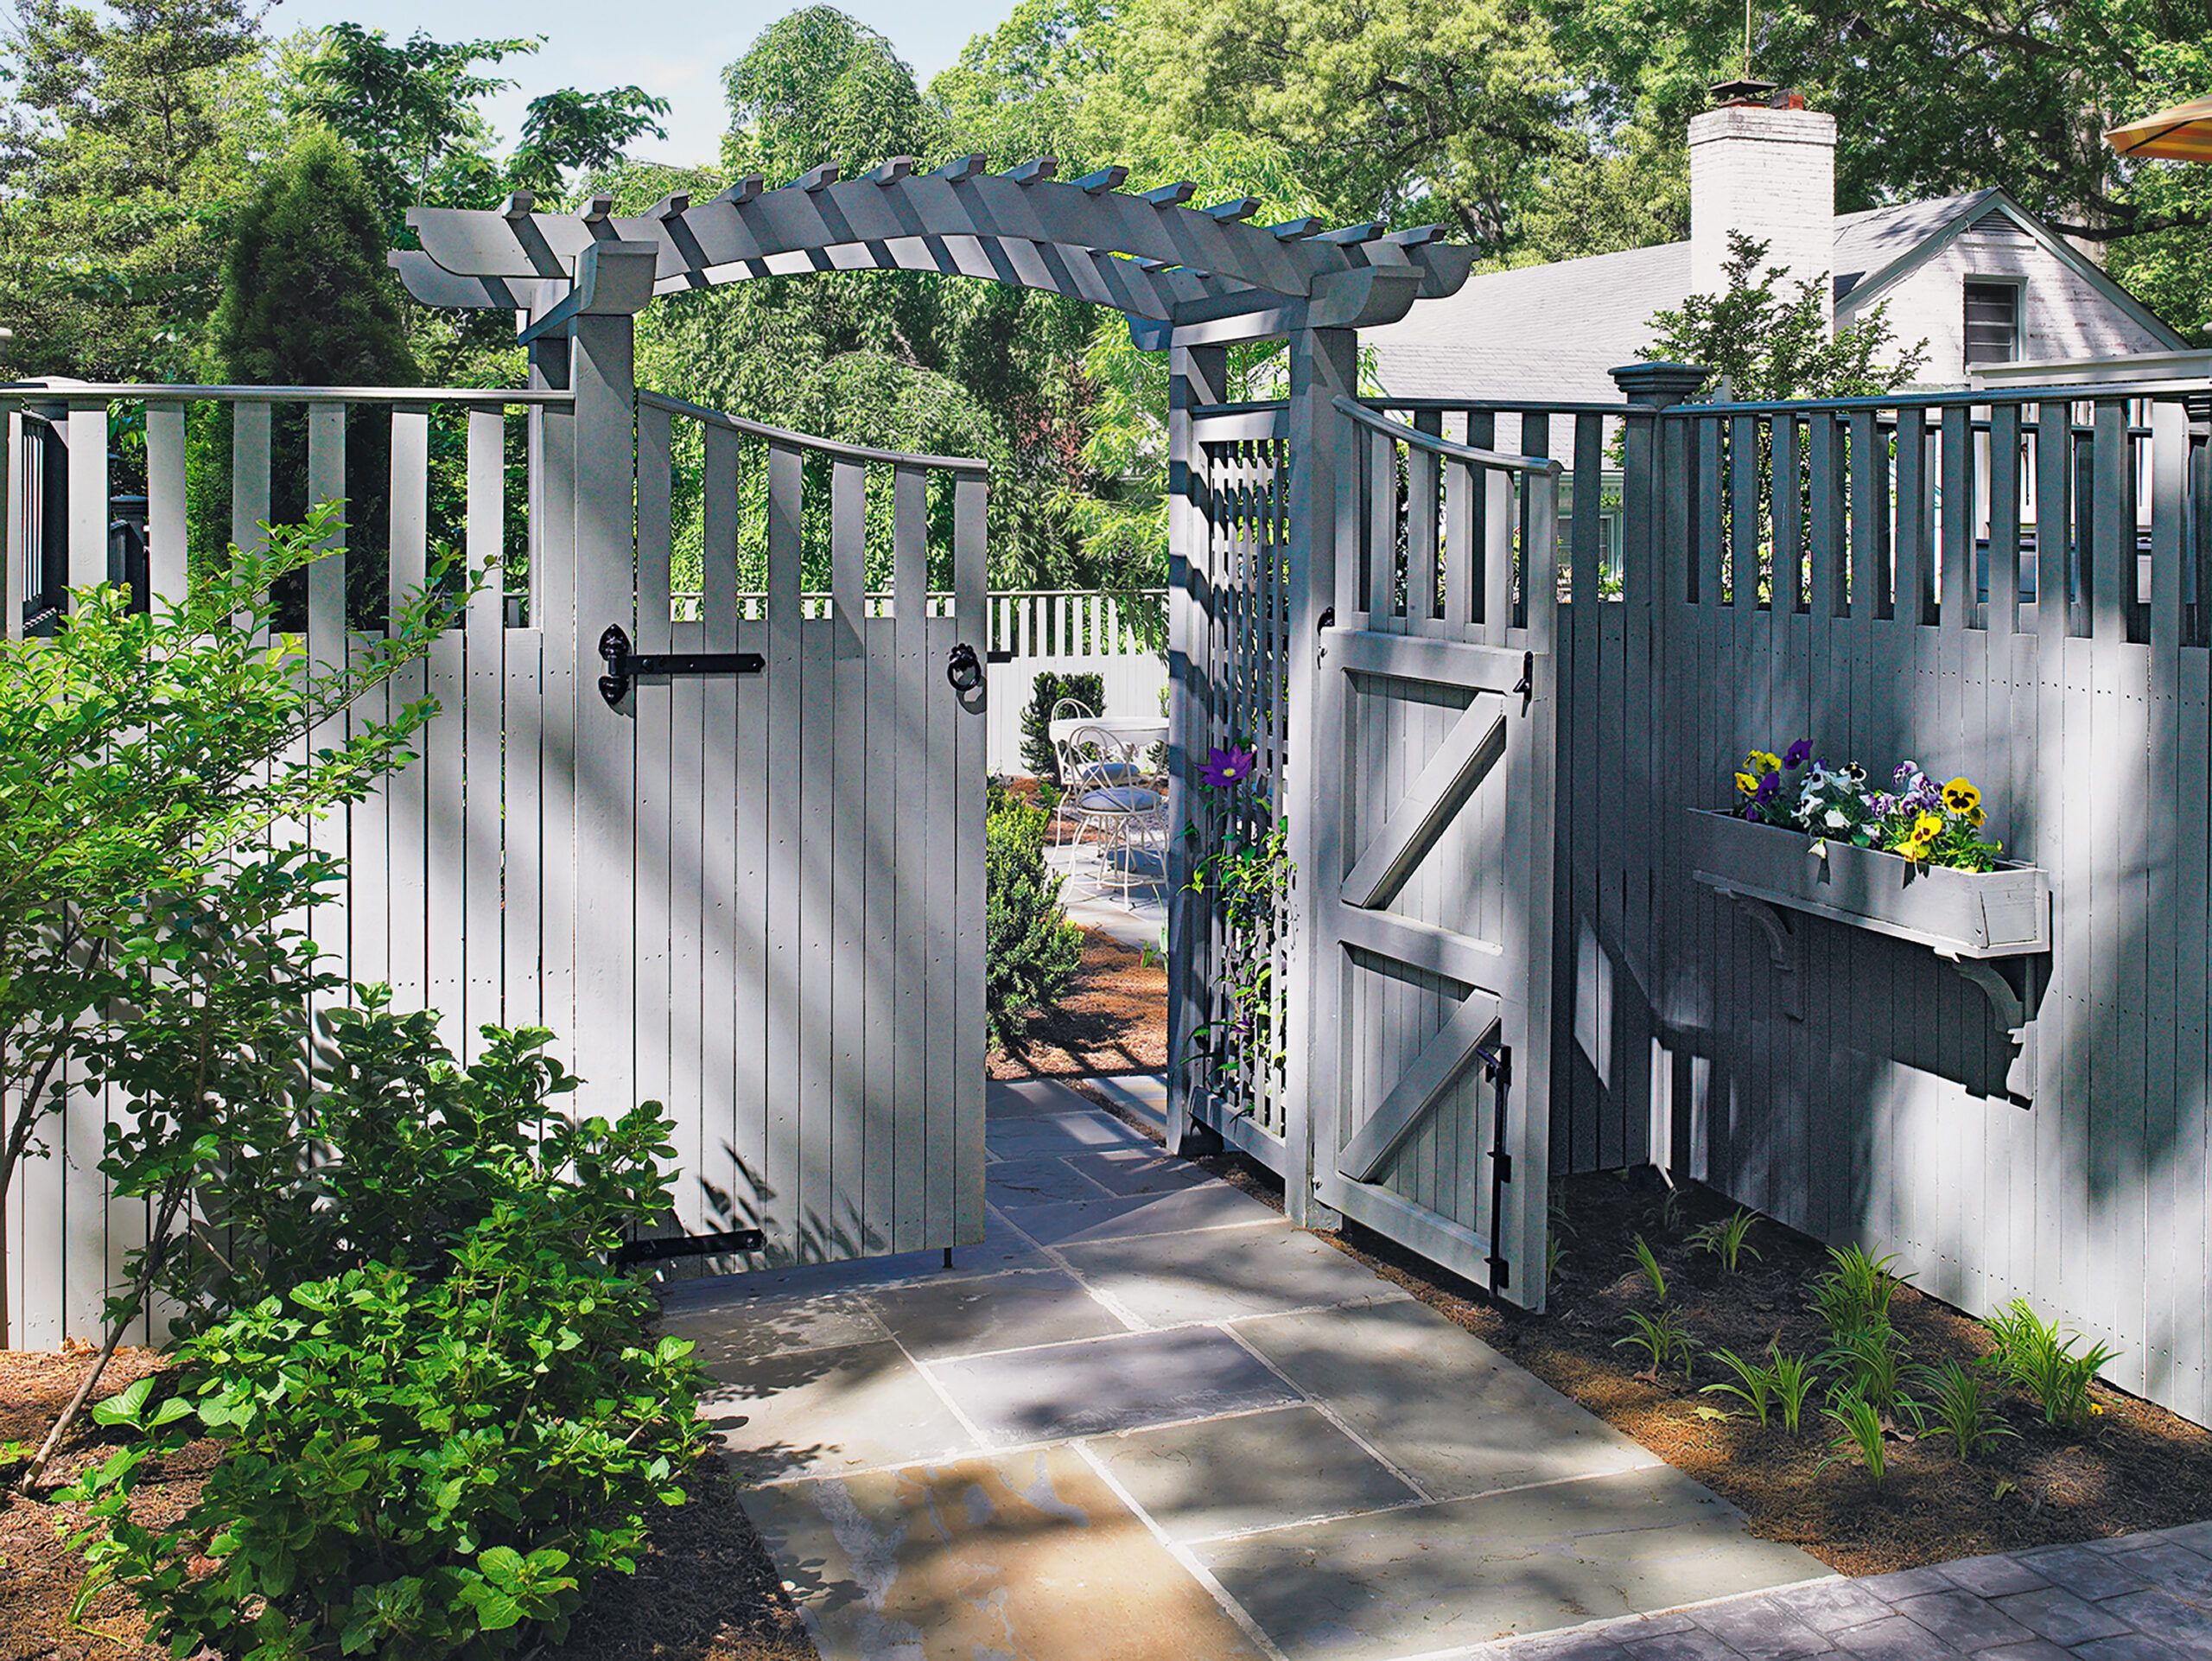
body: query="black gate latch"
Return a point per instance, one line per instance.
(623, 666)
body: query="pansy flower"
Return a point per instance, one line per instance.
(1961, 797)
(1797, 754)
(1222, 769)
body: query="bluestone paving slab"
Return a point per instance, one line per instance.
(1460, 1572)
(2055, 1613)
(1128, 1170)
(1992, 1575)
(1963, 1620)
(1015, 1185)
(1760, 1629)
(1894, 1639)
(2085, 1573)
(1439, 1403)
(1107, 1384)
(996, 1311)
(1059, 1133)
(2133, 1647)
(1022, 1555)
(1215, 1205)
(1016, 1098)
(2170, 1567)
(1255, 1470)
(824, 1411)
(1830, 1605)
(1170, 1278)
(2179, 1620)
(1002, 1247)
(772, 1326)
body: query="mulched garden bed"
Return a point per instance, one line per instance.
(1112, 1018)
(705, 1589)
(2136, 1466)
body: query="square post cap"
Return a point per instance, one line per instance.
(1656, 385)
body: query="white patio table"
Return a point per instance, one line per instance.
(1136, 731)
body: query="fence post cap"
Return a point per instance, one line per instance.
(1658, 383)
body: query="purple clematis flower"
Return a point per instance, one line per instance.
(1225, 768)
(1797, 753)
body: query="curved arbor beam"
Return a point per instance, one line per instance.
(1150, 255)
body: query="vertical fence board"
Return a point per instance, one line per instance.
(485, 808)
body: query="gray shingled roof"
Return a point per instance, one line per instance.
(1553, 332)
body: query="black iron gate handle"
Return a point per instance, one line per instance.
(965, 670)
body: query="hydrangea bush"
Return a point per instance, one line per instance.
(1915, 818)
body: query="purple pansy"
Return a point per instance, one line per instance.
(1769, 787)
(1797, 753)
(1223, 768)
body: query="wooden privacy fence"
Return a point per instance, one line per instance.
(2011, 585)
(747, 896)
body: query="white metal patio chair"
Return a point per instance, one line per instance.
(1129, 817)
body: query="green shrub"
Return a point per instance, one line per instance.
(1663, 1341)
(1961, 1407)
(2032, 1356)
(1049, 688)
(1727, 1239)
(1858, 1432)
(1855, 1291)
(1030, 949)
(426, 1458)
(1869, 1362)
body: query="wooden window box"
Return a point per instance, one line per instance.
(1971, 918)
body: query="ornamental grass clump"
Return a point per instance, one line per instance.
(1915, 818)
(2034, 1356)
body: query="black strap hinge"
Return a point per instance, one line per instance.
(624, 665)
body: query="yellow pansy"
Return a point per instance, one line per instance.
(1764, 762)
(1961, 797)
(1927, 828)
(1747, 785)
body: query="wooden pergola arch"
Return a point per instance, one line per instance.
(1181, 275)
(1190, 281)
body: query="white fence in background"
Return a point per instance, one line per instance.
(1067, 632)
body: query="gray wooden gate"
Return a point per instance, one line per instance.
(1429, 890)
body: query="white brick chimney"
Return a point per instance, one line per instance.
(1769, 173)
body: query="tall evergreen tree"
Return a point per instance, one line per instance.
(307, 300)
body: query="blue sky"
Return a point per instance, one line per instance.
(675, 49)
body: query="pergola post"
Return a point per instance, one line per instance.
(1323, 366)
(592, 549)
(1197, 376)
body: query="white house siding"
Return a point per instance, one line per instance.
(2064, 316)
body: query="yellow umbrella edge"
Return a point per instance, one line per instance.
(2182, 133)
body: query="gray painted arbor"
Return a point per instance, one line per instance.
(758, 901)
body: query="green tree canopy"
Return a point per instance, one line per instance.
(817, 86)
(130, 135)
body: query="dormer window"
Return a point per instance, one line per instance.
(1993, 322)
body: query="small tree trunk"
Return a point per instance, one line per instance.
(149, 1270)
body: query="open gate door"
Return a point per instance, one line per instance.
(1431, 896)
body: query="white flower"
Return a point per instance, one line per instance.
(1837, 818)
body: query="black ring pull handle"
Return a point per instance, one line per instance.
(964, 668)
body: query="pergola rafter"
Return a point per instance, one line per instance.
(1179, 273)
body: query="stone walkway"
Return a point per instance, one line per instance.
(1147, 1418)
(2140, 1597)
